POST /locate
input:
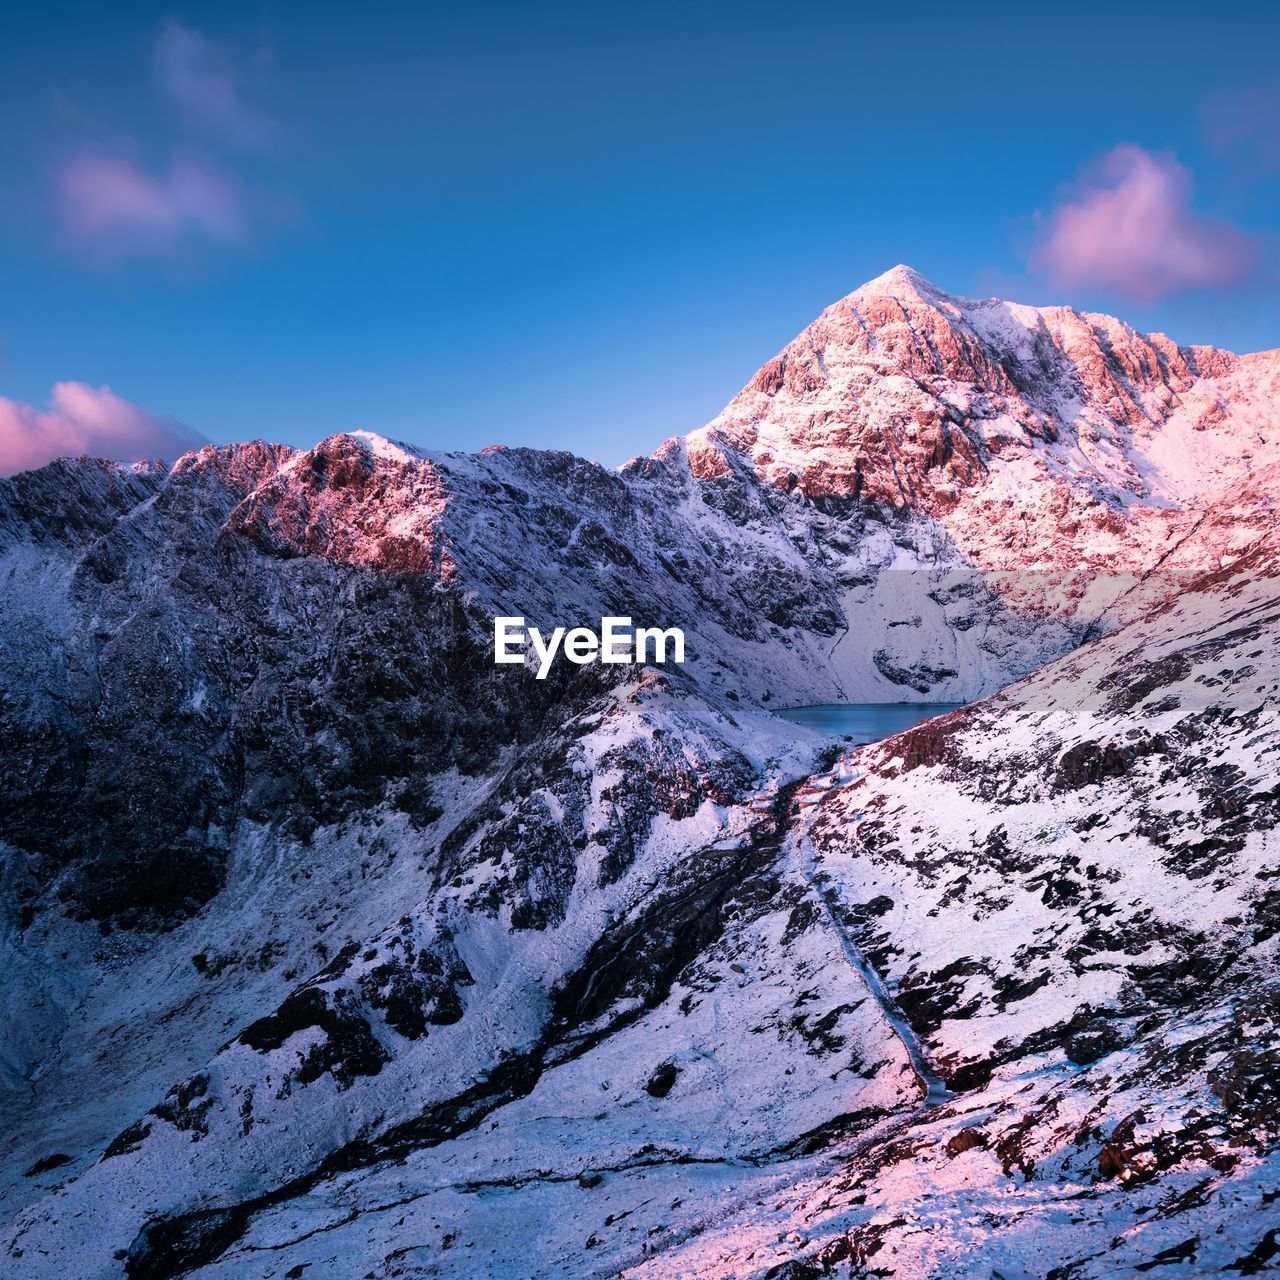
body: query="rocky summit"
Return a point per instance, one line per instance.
(333, 949)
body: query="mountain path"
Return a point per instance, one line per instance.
(807, 801)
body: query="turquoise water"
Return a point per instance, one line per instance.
(866, 721)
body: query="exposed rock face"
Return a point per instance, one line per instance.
(1046, 440)
(382, 948)
(193, 667)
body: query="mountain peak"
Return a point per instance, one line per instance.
(383, 447)
(909, 396)
(899, 281)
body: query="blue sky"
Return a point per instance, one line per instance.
(585, 226)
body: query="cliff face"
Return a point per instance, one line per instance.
(930, 399)
(1046, 441)
(382, 947)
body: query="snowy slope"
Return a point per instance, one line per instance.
(1057, 948)
(398, 963)
(1084, 936)
(1050, 443)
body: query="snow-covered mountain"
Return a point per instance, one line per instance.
(332, 949)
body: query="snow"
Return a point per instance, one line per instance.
(1050, 909)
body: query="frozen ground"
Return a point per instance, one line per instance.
(329, 949)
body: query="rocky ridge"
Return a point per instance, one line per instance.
(389, 949)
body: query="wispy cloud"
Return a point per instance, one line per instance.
(201, 80)
(89, 420)
(1243, 128)
(112, 205)
(1131, 229)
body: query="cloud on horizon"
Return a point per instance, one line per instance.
(84, 420)
(1131, 229)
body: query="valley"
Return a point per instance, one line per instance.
(394, 961)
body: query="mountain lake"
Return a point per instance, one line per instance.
(863, 722)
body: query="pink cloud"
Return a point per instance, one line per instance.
(1131, 229)
(193, 74)
(111, 205)
(88, 420)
